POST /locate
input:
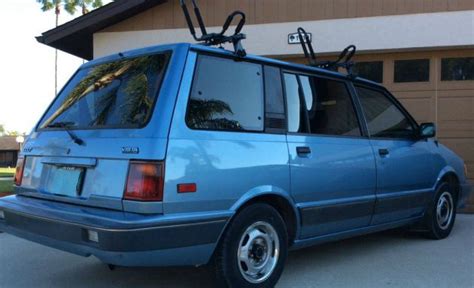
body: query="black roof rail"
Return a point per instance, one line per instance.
(216, 39)
(344, 59)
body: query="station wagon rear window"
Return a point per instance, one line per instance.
(118, 94)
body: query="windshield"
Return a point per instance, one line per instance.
(118, 94)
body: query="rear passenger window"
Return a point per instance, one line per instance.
(320, 106)
(383, 117)
(226, 95)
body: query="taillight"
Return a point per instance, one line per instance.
(145, 181)
(20, 165)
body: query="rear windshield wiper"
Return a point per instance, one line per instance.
(66, 126)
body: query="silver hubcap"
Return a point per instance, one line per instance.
(258, 252)
(444, 210)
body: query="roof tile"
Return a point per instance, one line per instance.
(8, 143)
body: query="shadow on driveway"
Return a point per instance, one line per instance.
(387, 259)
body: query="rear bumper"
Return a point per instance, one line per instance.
(123, 239)
(465, 192)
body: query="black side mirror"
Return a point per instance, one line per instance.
(427, 130)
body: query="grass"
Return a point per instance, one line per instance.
(6, 187)
(7, 172)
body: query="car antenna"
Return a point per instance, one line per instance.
(216, 39)
(344, 59)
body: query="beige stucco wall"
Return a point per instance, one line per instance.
(385, 33)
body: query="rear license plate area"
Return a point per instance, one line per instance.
(65, 180)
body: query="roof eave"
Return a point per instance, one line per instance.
(76, 36)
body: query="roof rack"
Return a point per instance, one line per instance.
(216, 39)
(344, 59)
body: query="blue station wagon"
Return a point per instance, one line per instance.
(188, 155)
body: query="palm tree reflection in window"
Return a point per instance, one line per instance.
(104, 84)
(203, 114)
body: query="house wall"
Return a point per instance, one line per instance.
(369, 34)
(169, 14)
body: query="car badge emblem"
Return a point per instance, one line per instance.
(130, 150)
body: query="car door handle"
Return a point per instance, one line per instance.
(383, 152)
(303, 150)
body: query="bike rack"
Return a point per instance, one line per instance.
(216, 39)
(344, 59)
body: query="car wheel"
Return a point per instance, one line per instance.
(253, 250)
(441, 214)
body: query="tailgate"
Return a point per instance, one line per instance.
(94, 175)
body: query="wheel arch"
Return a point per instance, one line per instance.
(449, 175)
(278, 199)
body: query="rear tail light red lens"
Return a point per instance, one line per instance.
(20, 165)
(145, 181)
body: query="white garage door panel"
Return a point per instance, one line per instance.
(415, 94)
(456, 129)
(463, 147)
(456, 108)
(422, 109)
(456, 115)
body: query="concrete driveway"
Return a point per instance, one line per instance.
(389, 259)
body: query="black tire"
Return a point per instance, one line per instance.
(439, 229)
(227, 264)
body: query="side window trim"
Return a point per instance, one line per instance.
(303, 103)
(353, 96)
(394, 101)
(359, 110)
(266, 95)
(300, 97)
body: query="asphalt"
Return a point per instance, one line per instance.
(388, 259)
